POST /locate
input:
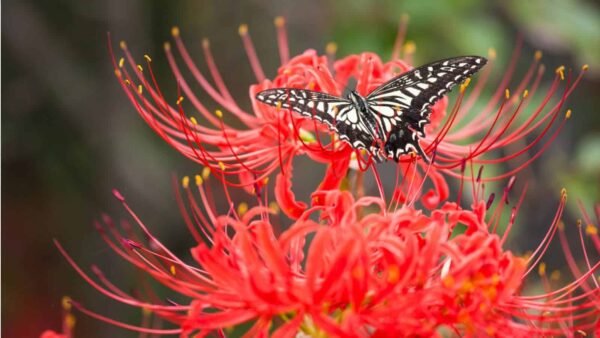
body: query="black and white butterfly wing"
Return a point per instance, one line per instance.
(339, 114)
(402, 105)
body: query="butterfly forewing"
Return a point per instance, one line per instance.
(339, 114)
(405, 101)
(396, 112)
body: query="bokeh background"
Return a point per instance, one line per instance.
(69, 135)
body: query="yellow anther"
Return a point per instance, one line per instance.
(265, 181)
(563, 192)
(561, 225)
(404, 17)
(146, 311)
(199, 180)
(185, 181)
(561, 72)
(555, 275)
(205, 43)
(492, 53)
(139, 67)
(279, 21)
(70, 321)
(331, 48)
(193, 120)
(538, 55)
(467, 286)
(311, 85)
(409, 47)
(179, 100)
(175, 31)
(167, 46)
(393, 274)
(243, 29)
(274, 207)
(525, 93)
(358, 272)
(127, 82)
(172, 269)
(585, 67)
(448, 281)
(205, 172)
(118, 73)
(219, 113)
(591, 230)
(66, 303)
(542, 269)
(242, 209)
(140, 89)
(123, 45)
(507, 93)
(568, 114)
(278, 104)
(147, 58)
(464, 85)
(579, 223)
(121, 62)
(222, 166)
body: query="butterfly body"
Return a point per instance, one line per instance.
(390, 120)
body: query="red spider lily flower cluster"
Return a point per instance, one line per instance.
(273, 137)
(349, 265)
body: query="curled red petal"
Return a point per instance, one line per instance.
(285, 196)
(336, 171)
(337, 205)
(440, 192)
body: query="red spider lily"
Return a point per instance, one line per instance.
(272, 137)
(360, 271)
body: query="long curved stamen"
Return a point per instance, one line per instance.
(251, 53)
(399, 42)
(282, 41)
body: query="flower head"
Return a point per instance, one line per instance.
(271, 137)
(359, 271)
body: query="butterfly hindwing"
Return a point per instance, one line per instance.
(338, 114)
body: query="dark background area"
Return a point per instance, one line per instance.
(69, 135)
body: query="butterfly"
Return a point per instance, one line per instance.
(391, 119)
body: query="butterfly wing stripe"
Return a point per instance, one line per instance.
(337, 113)
(451, 71)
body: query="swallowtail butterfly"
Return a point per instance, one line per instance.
(390, 120)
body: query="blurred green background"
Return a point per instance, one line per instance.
(69, 135)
